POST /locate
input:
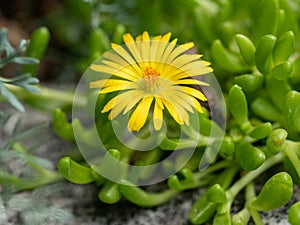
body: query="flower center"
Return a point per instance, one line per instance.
(151, 77)
(150, 73)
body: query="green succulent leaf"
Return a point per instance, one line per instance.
(269, 197)
(295, 76)
(110, 193)
(261, 131)
(202, 210)
(237, 104)
(75, 172)
(216, 194)
(249, 82)
(292, 109)
(222, 219)
(263, 54)
(282, 71)
(61, 126)
(186, 183)
(247, 49)
(263, 108)
(277, 91)
(294, 214)
(227, 147)
(118, 33)
(276, 140)
(38, 44)
(249, 157)
(284, 47)
(268, 19)
(225, 59)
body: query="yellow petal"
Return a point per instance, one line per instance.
(120, 102)
(180, 98)
(187, 46)
(180, 103)
(184, 59)
(188, 99)
(140, 114)
(168, 50)
(109, 83)
(128, 38)
(145, 36)
(144, 48)
(157, 38)
(173, 112)
(109, 105)
(178, 51)
(157, 116)
(190, 71)
(134, 99)
(122, 55)
(166, 37)
(192, 81)
(112, 71)
(138, 38)
(196, 104)
(127, 72)
(158, 100)
(195, 93)
(133, 48)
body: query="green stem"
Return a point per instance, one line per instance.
(249, 193)
(256, 217)
(19, 184)
(54, 97)
(242, 182)
(142, 198)
(250, 196)
(290, 151)
(212, 168)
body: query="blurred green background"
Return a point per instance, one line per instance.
(82, 29)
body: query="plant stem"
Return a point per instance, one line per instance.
(242, 182)
(48, 96)
(212, 168)
(290, 151)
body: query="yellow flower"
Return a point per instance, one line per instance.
(153, 75)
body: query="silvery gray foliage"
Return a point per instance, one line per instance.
(9, 54)
(34, 208)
